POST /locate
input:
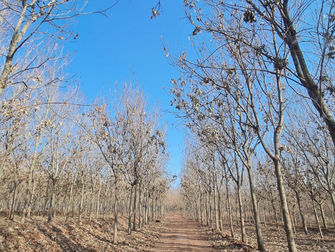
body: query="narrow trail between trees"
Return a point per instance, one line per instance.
(181, 234)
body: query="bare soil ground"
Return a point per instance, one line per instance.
(174, 233)
(181, 234)
(60, 235)
(275, 239)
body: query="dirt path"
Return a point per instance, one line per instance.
(182, 234)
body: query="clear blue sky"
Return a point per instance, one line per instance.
(127, 46)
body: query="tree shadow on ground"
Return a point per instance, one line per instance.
(65, 243)
(103, 239)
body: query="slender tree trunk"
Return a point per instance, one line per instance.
(198, 206)
(332, 197)
(52, 200)
(130, 209)
(293, 219)
(45, 206)
(153, 207)
(317, 219)
(116, 211)
(323, 216)
(230, 216)
(206, 207)
(210, 210)
(71, 200)
(303, 220)
(260, 241)
(98, 201)
(81, 202)
(12, 205)
(275, 212)
(156, 208)
(134, 208)
(220, 210)
(216, 211)
(140, 206)
(240, 207)
(146, 207)
(31, 182)
(201, 208)
(92, 201)
(333, 215)
(284, 206)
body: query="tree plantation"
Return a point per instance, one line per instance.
(253, 91)
(257, 97)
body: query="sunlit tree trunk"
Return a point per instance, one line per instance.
(220, 210)
(215, 204)
(323, 215)
(146, 207)
(134, 207)
(116, 212)
(230, 216)
(13, 202)
(260, 241)
(98, 201)
(140, 206)
(317, 219)
(240, 207)
(81, 201)
(130, 208)
(52, 192)
(304, 225)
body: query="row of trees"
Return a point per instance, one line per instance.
(246, 96)
(61, 158)
(57, 155)
(220, 190)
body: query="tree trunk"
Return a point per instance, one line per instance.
(156, 207)
(146, 207)
(201, 209)
(293, 219)
(323, 216)
(206, 208)
(220, 211)
(115, 215)
(52, 200)
(210, 210)
(92, 200)
(130, 209)
(216, 211)
(317, 219)
(332, 197)
(152, 206)
(302, 70)
(297, 195)
(284, 206)
(98, 201)
(12, 205)
(240, 207)
(31, 182)
(134, 208)
(275, 212)
(81, 202)
(229, 206)
(198, 206)
(260, 241)
(71, 200)
(140, 206)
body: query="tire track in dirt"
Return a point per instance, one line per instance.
(182, 234)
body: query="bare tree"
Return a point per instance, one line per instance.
(22, 23)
